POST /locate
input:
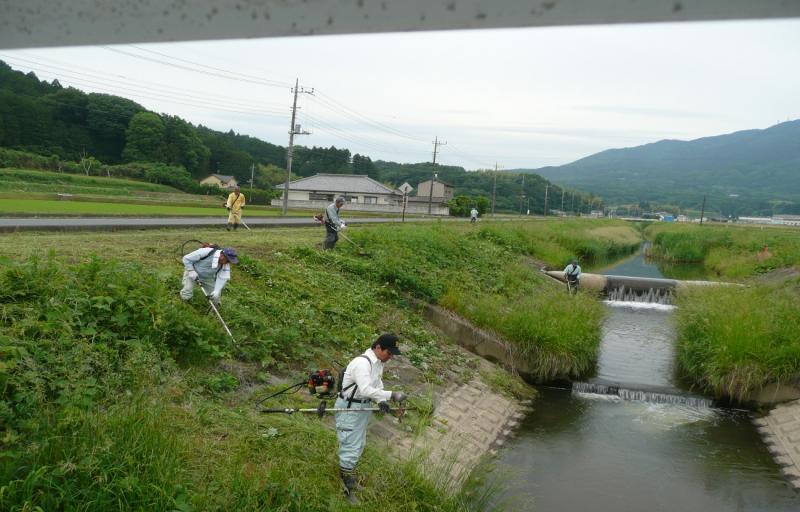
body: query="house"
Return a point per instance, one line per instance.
(442, 192)
(361, 193)
(221, 181)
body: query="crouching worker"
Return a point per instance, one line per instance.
(362, 383)
(211, 267)
(572, 273)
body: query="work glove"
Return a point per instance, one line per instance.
(398, 396)
(214, 298)
(384, 407)
(342, 226)
(191, 274)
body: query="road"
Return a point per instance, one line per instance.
(11, 224)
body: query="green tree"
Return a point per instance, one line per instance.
(144, 138)
(183, 146)
(108, 118)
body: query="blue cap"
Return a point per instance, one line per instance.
(230, 253)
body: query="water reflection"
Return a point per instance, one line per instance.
(639, 265)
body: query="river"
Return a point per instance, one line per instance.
(593, 452)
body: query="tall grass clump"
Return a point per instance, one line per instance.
(733, 341)
(730, 251)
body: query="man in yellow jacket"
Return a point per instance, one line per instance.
(234, 204)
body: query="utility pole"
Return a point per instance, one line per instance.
(436, 145)
(572, 208)
(546, 188)
(703, 210)
(252, 171)
(293, 130)
(562, 202)
(494, 188)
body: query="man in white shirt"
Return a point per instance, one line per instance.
(572, 273)
(362, 384)
(211, 268)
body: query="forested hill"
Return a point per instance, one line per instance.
(66, 124)
(752, 171)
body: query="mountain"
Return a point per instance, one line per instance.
(750, 171)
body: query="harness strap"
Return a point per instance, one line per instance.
(354, 385)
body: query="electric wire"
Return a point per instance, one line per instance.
(142, 90)
(193, 70)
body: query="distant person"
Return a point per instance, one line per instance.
(572, 273)
(473, 215)
(333, 223)
(362, 384)
(234, 204)
(210, 267)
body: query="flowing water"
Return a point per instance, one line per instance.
(631, 439)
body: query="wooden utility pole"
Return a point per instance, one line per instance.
(436, 144)
(252, 172)
(703, 210)
(494, 188)
(562, 202)
(293, 130)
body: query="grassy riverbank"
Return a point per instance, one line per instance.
(733, 341)
(116, 395)
(728, 252)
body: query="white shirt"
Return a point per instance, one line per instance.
(369, 378)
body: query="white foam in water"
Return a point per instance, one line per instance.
(639, 305)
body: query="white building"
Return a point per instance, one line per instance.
(786, 220)
(361, 193)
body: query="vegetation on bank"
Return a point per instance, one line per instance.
(729, 252)
(732, 340)
(56, 207)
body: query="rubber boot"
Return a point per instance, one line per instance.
(228, 227)
(235, 227)
(350, 485)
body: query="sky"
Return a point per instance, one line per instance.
(516, 98)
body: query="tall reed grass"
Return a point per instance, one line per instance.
(732, 341)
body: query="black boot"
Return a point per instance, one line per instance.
(228, 227)
(350, 484)
(235, 227)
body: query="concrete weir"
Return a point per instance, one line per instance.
(637, 289)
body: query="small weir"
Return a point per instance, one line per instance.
(650, 295)
(587, 388)
(631, 438)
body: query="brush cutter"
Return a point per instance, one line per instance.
(321, 409)
(321, 219)
(216, 311)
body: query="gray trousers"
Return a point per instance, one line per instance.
(351, 432)
(331, 238)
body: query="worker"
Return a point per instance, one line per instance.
(572, 273)
(362, 383)
(473, 215)
(333, 223)
(235, 204)
(211, 268)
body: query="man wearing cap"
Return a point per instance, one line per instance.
(211, 268)
(362, 384)
(234, 204)
(333, 223)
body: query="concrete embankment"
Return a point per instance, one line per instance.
(781, 432)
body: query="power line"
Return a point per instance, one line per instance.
(187, 68)
(95, 79)
(276, 83)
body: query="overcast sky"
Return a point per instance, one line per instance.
(516, 97)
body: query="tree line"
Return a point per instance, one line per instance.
(102, 133)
